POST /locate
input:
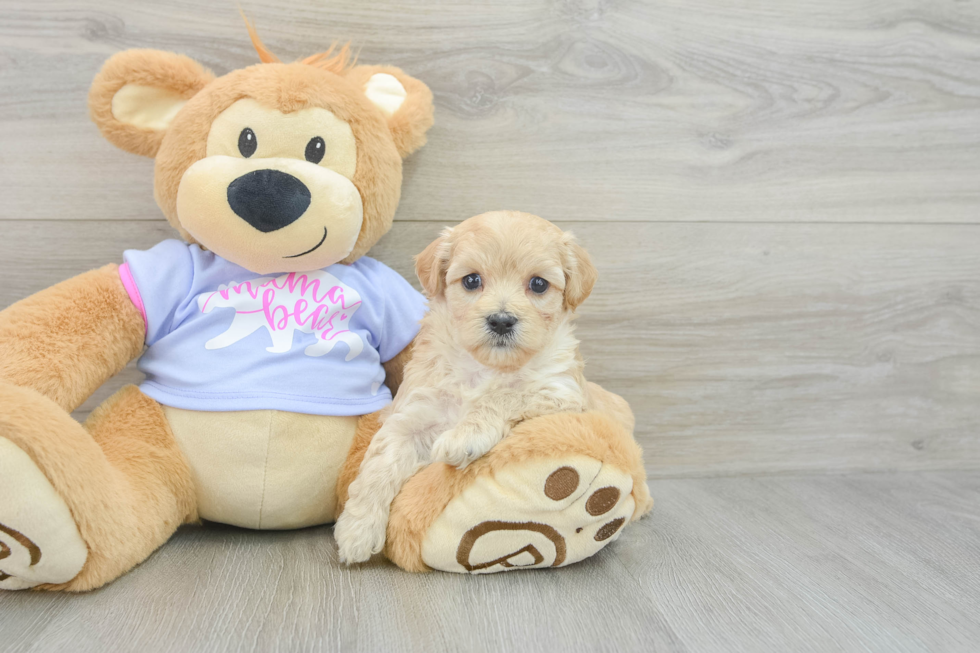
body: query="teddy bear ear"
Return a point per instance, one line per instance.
(405, 101)
(137, 93)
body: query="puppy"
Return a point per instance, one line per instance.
(496, 347)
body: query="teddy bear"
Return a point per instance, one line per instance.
(269, 342)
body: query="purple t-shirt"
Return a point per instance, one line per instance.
(222, 338)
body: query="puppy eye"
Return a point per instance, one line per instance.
(538, 285)
(315, 150)
(247, 142)
(472, 281)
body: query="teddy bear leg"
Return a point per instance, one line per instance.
(82, 504)
(556, 490)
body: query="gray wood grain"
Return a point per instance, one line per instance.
(881, 562)
(669, 135)
(743, 348)
(837, 110)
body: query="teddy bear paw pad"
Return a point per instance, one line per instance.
(39, 542)
(542, 513)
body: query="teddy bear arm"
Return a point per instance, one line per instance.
(67, 340)
(395, 369)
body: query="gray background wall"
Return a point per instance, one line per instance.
(782, 198)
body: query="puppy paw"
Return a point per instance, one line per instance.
(459, 450)
(358, 539)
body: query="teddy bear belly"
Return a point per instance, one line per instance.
(264, 469)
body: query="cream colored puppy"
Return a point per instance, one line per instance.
(496, 347)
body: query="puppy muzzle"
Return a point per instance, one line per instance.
(502, 323)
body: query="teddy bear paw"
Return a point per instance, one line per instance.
(39, 541)
(542, 513)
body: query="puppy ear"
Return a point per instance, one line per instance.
(405, 101)
(580, 273)
(431, 265)
(137, 93)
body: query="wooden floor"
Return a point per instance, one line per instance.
(783, 200)
(871, 562)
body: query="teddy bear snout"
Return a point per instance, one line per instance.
(268, 199)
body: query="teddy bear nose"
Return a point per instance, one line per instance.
(268, 199)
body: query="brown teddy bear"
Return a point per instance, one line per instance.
(269, 342)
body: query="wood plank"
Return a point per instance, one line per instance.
(671, 111)
(742, 348)
(881, 562)
(870, 563)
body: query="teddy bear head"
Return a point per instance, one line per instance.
(278, 167)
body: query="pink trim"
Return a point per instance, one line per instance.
(129, 283)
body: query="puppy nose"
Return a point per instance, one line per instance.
(502, 323)
(268, 199)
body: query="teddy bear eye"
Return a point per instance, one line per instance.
(315, 150)
(247, 142)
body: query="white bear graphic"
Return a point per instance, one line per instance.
(311, 302)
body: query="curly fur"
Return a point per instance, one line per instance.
(466, 386)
